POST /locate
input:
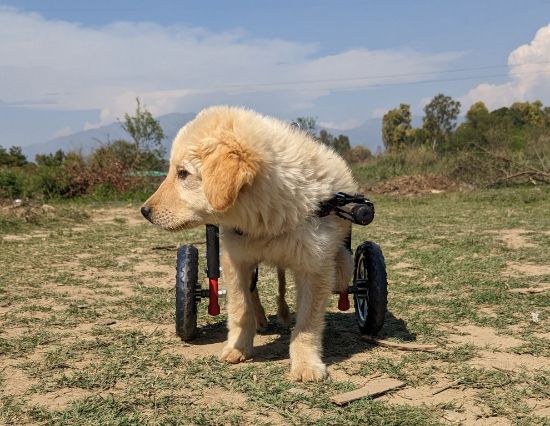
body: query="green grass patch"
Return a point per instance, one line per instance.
(448, 267)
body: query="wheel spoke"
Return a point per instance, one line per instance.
(361, 290)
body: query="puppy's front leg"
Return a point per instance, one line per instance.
(241, 320)
(313, 291)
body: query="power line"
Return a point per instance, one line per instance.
(443, 80)
(260, 86)
(386, 76)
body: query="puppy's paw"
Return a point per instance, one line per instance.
(233, 355)
(308, 372)
(261, 323)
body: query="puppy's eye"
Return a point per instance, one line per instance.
(182, 174)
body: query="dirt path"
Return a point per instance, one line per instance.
(87, 330)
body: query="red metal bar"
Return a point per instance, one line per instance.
(213, 305)
(343, 301)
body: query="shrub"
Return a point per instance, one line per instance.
(12, 183)
(412, 160)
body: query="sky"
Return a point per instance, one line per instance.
(67, 65)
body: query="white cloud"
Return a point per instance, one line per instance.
(529, 73)
(64, 131)
(341, 125)
(68, 66)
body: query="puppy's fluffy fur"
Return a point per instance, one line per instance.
(245, 171)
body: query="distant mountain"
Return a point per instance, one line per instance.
(89, 140)
(369, 134)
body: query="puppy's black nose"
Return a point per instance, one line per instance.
(146, 212)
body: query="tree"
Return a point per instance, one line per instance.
(14, 157)
(18, 158)
(340, 144)
(396, 127)
(417, 136)
(473, 131)
(440, 119)
(5, 158)
(478, 116)
(325, 137)
(145, 131)
(358, 154)
(50, 159)
(308, 125)
(124, 154)
(527, 113)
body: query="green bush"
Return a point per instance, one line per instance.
(12, 183)
(412, 160)
(476, 165)
(52, 182)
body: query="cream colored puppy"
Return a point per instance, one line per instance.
(247, 172)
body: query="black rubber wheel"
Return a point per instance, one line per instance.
(370, 286)
(188, 291)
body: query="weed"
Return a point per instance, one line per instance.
(94, 260)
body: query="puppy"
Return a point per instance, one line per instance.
(262, 181)
(283, 313)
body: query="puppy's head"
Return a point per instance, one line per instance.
(208, 170)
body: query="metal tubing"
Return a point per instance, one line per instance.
(213, 305)
(212, 251)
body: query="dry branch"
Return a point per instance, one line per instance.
(373, 389)
(521, 169)
(445, 387)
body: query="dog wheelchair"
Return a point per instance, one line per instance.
(369, 286)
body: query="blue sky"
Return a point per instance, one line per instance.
(70, 65)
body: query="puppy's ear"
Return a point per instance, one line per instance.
(227, 166)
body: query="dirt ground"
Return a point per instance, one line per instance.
(416, 185)
(87, 327)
